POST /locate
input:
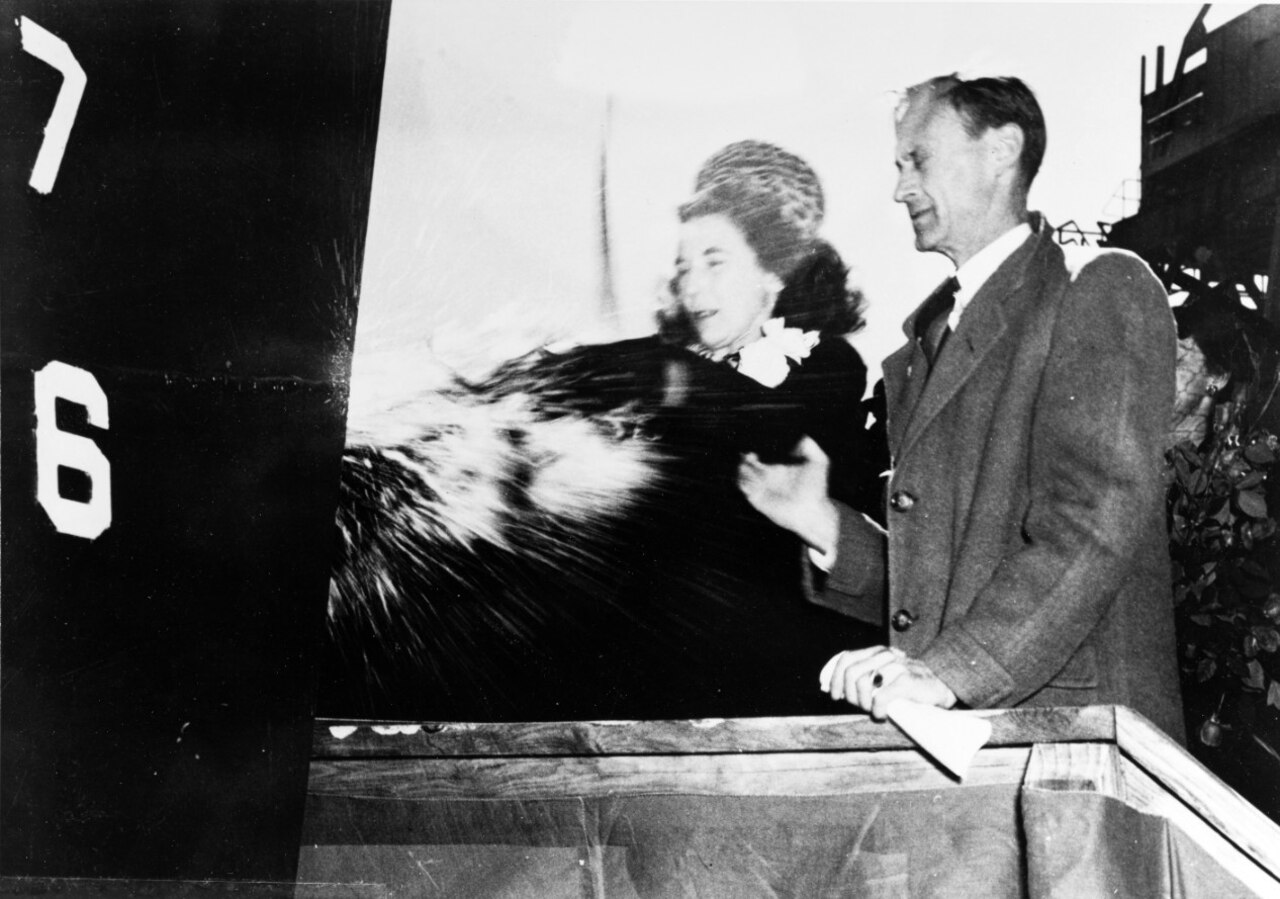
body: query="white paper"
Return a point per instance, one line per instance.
(951, 738)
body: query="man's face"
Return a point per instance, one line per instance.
(945, 179)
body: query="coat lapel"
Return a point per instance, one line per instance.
(902, 392)
(981, 328)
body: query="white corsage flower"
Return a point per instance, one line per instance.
(768, 359)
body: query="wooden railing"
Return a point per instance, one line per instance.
(1057, 763)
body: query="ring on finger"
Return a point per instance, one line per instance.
(880, 676)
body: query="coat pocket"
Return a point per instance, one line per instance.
(1080, 672)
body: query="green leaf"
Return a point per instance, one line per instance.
(1183, 470)
(1259, 454)
(1198, 483)
(1221, 512)
(1211, 732)
(1268, 638)
(1273, 695)
(1252, 503)
(1206, 669)
(1255, 570)
(1187, 454)
(1202, 620)
(1252, 479)
(1256, 678)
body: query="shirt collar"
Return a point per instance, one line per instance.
(974, 273)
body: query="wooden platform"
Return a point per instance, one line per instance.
(1060, 802)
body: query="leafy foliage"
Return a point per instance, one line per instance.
(1222, 534)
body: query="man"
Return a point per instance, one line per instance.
(1027, 558)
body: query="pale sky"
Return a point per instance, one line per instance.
(485, 221)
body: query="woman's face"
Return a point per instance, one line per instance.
(721, 284)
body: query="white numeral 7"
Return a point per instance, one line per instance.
(54, 50)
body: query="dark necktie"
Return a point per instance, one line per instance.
(936, 327)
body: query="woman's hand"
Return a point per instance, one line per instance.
(793, 494)
(872, 678)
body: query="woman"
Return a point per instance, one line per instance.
(684, 603)
(749, 357)
(757, 288)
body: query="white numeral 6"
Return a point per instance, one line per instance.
(57, 449)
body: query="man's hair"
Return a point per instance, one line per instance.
(984, 103)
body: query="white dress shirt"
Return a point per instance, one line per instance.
(974, 273)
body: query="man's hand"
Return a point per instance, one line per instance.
(793, 494)
(874, 677)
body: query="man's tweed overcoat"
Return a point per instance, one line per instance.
(1027, 550)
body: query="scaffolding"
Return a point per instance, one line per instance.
(1210, 208)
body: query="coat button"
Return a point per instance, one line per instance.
(901, 501)
(902, 620)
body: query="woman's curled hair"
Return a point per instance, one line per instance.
(817, 296)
